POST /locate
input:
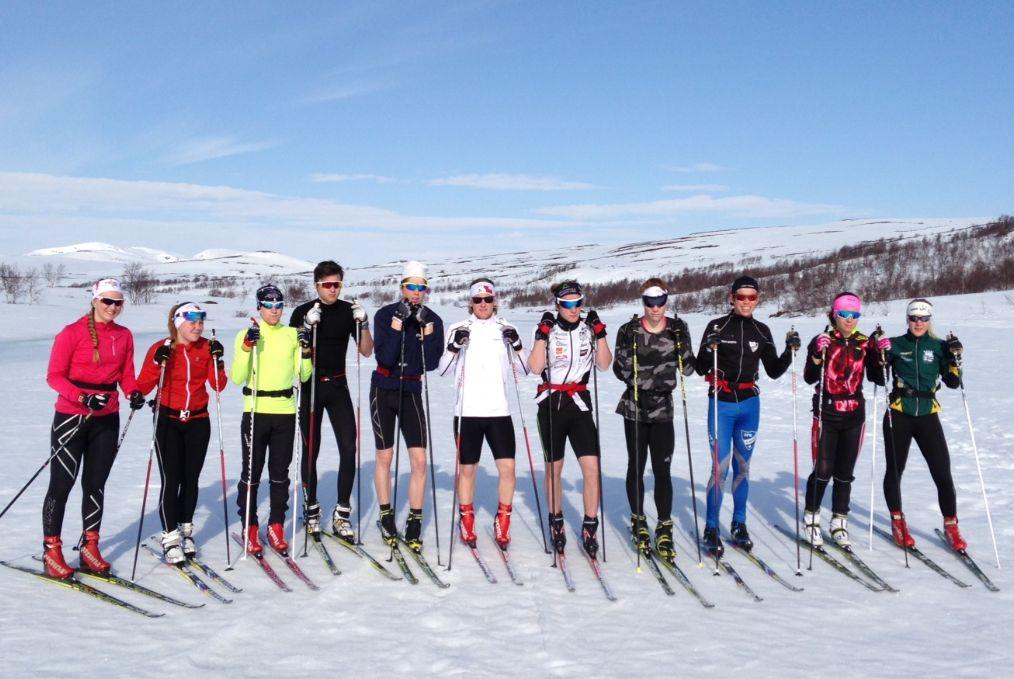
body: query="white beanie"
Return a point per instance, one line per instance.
(414, 269)
(105, 285)
(919, 307)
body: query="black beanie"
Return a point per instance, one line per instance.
(269, 293)
(745, 282)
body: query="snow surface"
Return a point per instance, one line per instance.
(374, 627)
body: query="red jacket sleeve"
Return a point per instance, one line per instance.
(128, 381)
(147, 379)
(59, 365)
(219, 367)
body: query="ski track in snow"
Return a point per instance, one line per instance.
(363, 621)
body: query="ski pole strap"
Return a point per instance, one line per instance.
(184, 415)
(384, 371)
(277, 393)
(727, 386)
(92, 386)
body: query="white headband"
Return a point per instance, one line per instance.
(178, 318)
(481, 289)
(105, 285)
(654, 291)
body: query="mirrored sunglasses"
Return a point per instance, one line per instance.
(484, 300)
(847, 314)
(330, 285)
(745, 298)
(920, 319)
(570, 303)
(416, 287)
(193, 316)
(272, 305)
(111, 302)
(654, 302)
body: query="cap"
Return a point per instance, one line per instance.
(919, 307)
(414, 269)
(105, 285)
(269, 293)
(745, 282)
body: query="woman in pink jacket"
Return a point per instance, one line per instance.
(90, 358)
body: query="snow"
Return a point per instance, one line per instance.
(361, 621)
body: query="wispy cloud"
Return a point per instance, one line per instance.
(343, 91)
(696, 167)
(511, 182)
(695, 188)
(732, 206)
(322, 177)
(201, 149)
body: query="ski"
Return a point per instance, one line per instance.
(682, 578)
(727, 567)
(913, 551)
(830, 560)
(653, 567)
(487, 573)
(132, 586)
(770, 572)
(207, 570)
(424, 565)
(189, 576)
(597, 570)
(362, 554)
(969, 562)
(265, 566)
(561, 561)
(296, 570)
(399, 559)
(318, 545)
(851, 555)
(76, 584)
(505, 556)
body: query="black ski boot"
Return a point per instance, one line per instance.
(388, 529)
(712, 543)
(413, 530)
(589, 527)
(663, 540)
(311, 518)
(639, 532)
(557, 533)
(741, 536)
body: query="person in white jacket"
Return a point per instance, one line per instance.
(484, 351)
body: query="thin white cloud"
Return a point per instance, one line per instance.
(695, 188)
(344, 91)
(208, 148)
(322, 177)
(510, 182)
(696, 167)
(732, 206)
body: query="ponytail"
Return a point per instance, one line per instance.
(94, 334)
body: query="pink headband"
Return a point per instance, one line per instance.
(847, 302)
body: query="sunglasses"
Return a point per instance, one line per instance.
(744, 298)
(272, 305)
(193, 316)
(484, 300)
(111, 302)
(416, 287)
(654, 302)
(331, 285)
(847, 314)
(570, 303)
(919, 319)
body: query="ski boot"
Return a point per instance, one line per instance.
(639, 532)
(741, 536)
(954, 538)
(187, 540)
(413, 530)
(341, 524)
(712, 542)
(171, 550)
(276, 538)
(502, 525)
(557, 532)
(811, 528)
(91, 558)
(253, 540)
(311, 518)
(840, 530)
(589, 527)
(388, 531)
(52, 558)
(899, 529)
(663, 540)
(466, 524)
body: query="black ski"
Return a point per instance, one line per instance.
(424, 565)
(646, 556)
(969, 562)
(265, 566)
(682, 578)
(915, 552)
(727, 567)
(189, 576)
(318, 545)
(851, 555)
(756, 561)
(210, 572)
(506, 557)
(132, 586)
(399, 559)
(362, 554)
(76, 584)
(830, 560)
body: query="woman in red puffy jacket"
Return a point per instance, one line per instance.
(184, 428)
(90, 358)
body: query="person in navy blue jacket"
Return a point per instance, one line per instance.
(404, 333)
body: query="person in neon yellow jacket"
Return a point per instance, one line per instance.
(267, 357)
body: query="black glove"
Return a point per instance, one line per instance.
(421, 314)
(216, 348)
(792, 341)
(458, 339)
(303, 337)
(546, 325)
(253, 334)
(954, 345)
(136, 400)
(95, 401)
(596, 324)
(510, 335)
(403, 312)
(712, 339)
(162, 354)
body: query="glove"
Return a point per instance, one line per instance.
(421, 314)
(510, 335)
(823, 342)
(359, 313)
(546, 325)
(712, 339)
(303, 336)
(954, 345)
(136, 400)
(458, 339)
(879, 341)
(253, 334)
(216, 348)
(95, 401)
(792, 341)
(162, 354)
(312, 316)
(597, 326)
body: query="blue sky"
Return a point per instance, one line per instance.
(378, 131)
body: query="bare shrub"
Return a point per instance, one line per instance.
(139, 283)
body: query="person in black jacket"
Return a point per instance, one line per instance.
(404, 333)
(336, 321)
(741, 344)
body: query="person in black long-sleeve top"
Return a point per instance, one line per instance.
(404, 332)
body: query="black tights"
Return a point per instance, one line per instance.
(929, 436)
(835, 457)
(181, 448)
(656, 441)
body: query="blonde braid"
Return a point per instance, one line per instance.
(95, 335)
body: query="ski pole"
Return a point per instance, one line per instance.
(250, 449)
(686, 430)
(397, 423)
(795, 462)
(816, 447)
(311, 456)
(547, 451)
(297, 438)
(598, 444)
(63, 441)
(873, 464)
(975, 452)
(457, 458)
(151, 452)
(718, 496)
(221, 457)
(429, 441)
(637, 444)
(359, 432)
(890, 434)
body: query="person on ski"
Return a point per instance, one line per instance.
(484, 351)
(836, 361)
(740, 343)
(405, 332)
(649, 351)
(90, 358)
(564, 350)
(183, 430)
(919, 361)
(336, 321)
(267, 357)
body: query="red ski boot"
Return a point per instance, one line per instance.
(899, 529)
(276, 538)
(502, 525)
(52, 558)
(954, 538)
(91, 558)
(466, 515)
(253, 540)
